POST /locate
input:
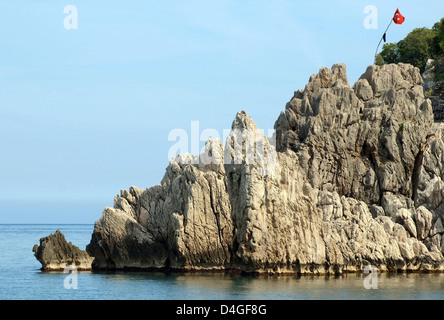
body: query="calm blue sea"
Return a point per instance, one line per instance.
(21, 279)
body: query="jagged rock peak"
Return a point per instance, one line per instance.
(328, 78)
(243, 121)
(392, 76)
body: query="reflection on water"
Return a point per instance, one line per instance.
(219, 286)
(20, 278)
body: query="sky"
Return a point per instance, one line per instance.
(87, 111)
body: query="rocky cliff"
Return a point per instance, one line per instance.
(353, 176)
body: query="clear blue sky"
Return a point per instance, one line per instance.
(87, 112)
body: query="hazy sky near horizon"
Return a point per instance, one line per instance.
(87, 112)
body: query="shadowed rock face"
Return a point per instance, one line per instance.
(434, 91)
(55, 254)
(355, 177)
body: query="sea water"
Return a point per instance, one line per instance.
(21, 279)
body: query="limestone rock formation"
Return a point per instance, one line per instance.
(353, 176)
(55, 254)
(376, 145)
(185, 222)
(350, 164)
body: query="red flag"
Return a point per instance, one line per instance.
(398, 18)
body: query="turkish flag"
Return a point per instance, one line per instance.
(398, 18)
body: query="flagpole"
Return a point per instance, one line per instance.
(376, 52)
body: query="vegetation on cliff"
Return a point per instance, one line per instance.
(420, 45)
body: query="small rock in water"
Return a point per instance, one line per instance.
(55, 254)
